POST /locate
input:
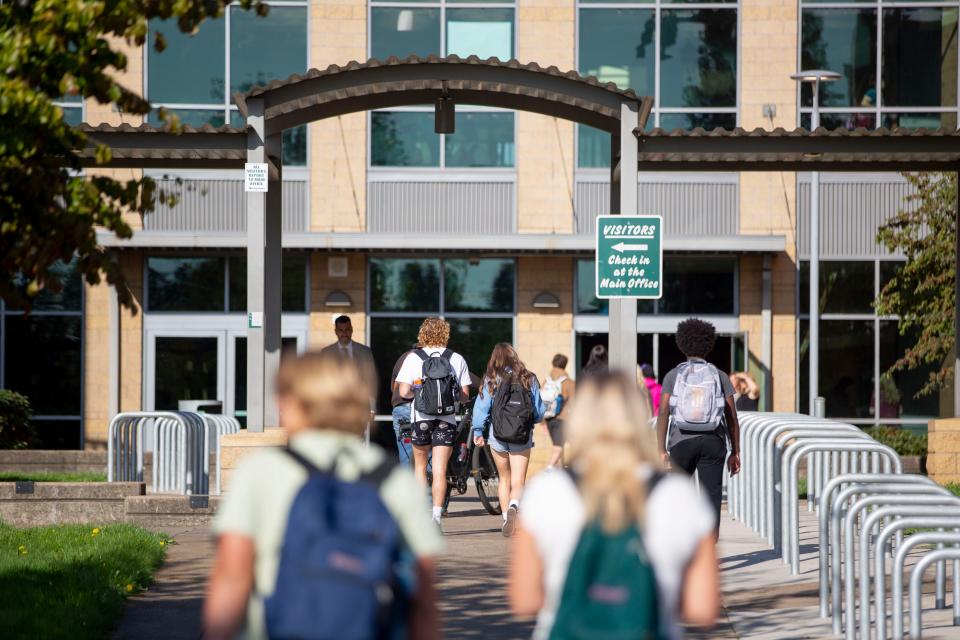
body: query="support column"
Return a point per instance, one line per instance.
(956, 307)
(113, 383)
(623, 182)
(263, 275)
(766, 335)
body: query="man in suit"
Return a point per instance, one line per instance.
(345, 347)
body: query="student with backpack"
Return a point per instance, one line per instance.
(557, 392)
(509, 401)
(326, 538)
(698, 419)
(613, 548)
(437, 380)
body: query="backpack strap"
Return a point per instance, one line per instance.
(447, 353)
(375, 476)
(421, 354)
(379, 473)
(302, 460)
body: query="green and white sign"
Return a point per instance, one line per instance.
(629, 257)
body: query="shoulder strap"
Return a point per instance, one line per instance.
(379, 473)
(421, 354)
(446, 353)
(302, 460)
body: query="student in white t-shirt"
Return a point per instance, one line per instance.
(432, 433)
(613, 458)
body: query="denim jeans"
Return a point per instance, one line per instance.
(401, 418)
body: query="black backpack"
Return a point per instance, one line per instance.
(439, 392)
(512, 413)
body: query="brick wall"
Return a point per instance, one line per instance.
(943, 450)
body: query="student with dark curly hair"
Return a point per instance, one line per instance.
(697, 424)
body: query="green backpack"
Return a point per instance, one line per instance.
(610, 592)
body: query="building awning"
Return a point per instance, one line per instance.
(519, 243)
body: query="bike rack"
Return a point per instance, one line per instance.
(220, 425)
(916, 582)
(899, 563)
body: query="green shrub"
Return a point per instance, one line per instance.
(16, 430)
(904, 442)
(953, 487)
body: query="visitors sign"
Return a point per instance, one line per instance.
(255, 177)
(629, 257)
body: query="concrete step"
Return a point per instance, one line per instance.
(158, 512)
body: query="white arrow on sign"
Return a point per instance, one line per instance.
(622, 246)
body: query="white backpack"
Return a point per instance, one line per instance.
(697, 400)
(551, 395)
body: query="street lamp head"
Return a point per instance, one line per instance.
(814, 75)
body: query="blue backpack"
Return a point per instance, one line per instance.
(344, 571)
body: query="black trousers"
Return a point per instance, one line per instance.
(705, 454)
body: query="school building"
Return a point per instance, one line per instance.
(493, 226)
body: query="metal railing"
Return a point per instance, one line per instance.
(220, 425)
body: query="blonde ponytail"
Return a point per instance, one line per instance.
(608, 428)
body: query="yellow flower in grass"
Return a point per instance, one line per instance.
(163, 543)
(95, 532)
(129, 588)
(22, 550)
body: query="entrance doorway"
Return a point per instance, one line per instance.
(660, 351)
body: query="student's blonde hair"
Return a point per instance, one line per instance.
(610, 437)
(434, 332)
(333, 392)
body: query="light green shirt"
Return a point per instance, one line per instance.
(264, 485)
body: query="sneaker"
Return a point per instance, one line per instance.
(510, 524)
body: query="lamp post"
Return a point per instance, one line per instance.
(815, 77)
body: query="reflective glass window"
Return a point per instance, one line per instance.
(191, 68)
(288, 347)
(404, 285)
(266, 48)
(294, 294)
(294, 141)
(698, 58)
(42, 361)
(403, 32)
(404, 139)
(482, 139)
(186, 369)
(692, 285)
(845, 41)
(847, 381)
(474, 339)
(58, 434)
(848, 121)
(72, 115)
(845, 287)
(482, 285)
(618, 46)
(898, 391)
(593, 148)
(587, 301)
(919, 63)
(185, 284)
(486, 33)
(708, 121)
(390, 338)
(190, 117)
(65, 296)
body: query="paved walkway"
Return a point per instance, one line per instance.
(760, 598)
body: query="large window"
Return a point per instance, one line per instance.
(215, 283)
(196, 75)
(692, 75)
(691, 285)
(899, 64)
(41, 357)
(477, 297)
(857, 347)
(484, 137)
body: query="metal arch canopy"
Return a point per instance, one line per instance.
(376, 84)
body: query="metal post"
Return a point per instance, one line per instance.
(623, 311)
(113, 386)
(272, 278)
(256, 259)
(813, 350)
(766, 334)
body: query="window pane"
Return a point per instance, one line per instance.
(481, 140)
(698, 58)
(404, 32)
(70, 296)
(186, 369)
(484, 285)
(698, 286)
(294, 141)
(265, 49)
(587, 301)
(593, 147)
(190, 69)
(618, 46)
(848, 121)
(389, 339)
(845, 41)
(920, 120)
(288, 347)
(845, 287)
(185, 284)
(708, 121)
(190, 117)
(889, 269)
(404, 285)
(294, 294)
(58, 434)
(920, 57)
(42, 362)
(898, 391)
(486, 33)
(403, 139)
(474, 339)
(72, 116)
(846, 367)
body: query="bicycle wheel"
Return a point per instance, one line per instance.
(487, 479)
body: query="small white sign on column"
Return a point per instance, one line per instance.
(255, 177)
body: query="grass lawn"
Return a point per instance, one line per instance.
(78, 476)
(70, 581)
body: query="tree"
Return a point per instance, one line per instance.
(48, 212)
(922, 290)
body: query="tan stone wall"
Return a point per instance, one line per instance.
(338, 146)
(943, 450)
(235, 446)
(131, 336)
(545, 148)
(321, 284)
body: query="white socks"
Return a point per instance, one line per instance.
(437, 512)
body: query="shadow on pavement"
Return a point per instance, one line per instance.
(473, 600)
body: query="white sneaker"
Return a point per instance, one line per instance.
(510, 524)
